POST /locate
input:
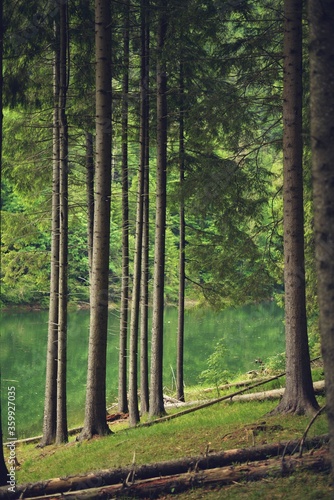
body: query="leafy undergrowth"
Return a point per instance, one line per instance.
(219, 427)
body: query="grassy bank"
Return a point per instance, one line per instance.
(220, 427)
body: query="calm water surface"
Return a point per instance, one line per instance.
(250, 332)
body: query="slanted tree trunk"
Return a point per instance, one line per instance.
(144, 89)
(299, 395)
(321, 17)
(90, 197)
(156, 381)
(50, 401)
(61, 430)
(95, 408)
(182, 259)
(122, 362)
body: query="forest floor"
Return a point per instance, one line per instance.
(218, 428)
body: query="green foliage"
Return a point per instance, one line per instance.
(216, 372)
(276, 363)
(231, 106)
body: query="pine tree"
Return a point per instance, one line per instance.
(321, 18)
(145, 156)
(182, 257)
(156, 384)
(50, 400)
(123, 351)
(61, 430)
(95, 409)
(299, 395)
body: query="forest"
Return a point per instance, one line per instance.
(156, 153)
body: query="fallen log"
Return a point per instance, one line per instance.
(319, 389)
(154, 487)
(167, 468)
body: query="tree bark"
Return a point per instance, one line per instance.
(135, 302)
(144, 89)
(90, 197)
(95, 408)
(50, 400)
(61, 428)
(299, 396)
(156, 381)
(321, 17)
(122, 367)
(182, 257)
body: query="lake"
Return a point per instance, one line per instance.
(250, 332)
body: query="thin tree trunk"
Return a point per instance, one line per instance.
(135, 299)
(182, 259)
(134, 323)
(50, 401)
(61, 431)
(122, 363)
(299, 395)
(90, 197)
(95, 409)
(145, 42)
(321, 16)
(156, 383)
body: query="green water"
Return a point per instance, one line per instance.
(250, 332)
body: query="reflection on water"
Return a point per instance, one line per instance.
(250, 332)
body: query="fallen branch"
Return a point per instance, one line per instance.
(177, 483)
(172, 467)
(302, 441)
(206, 404)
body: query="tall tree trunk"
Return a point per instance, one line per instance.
(144, 295)
(95, 409)
(50, 401)
(144, 89)
(135, 301)
(156, 381)
(90, 197)
(182, 259)
(122, 363)
(321, 16)
(299, 395)
(137, 293)
(3, 467)
(61, 431)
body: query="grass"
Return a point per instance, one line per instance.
(302, 485)
(220, 427)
